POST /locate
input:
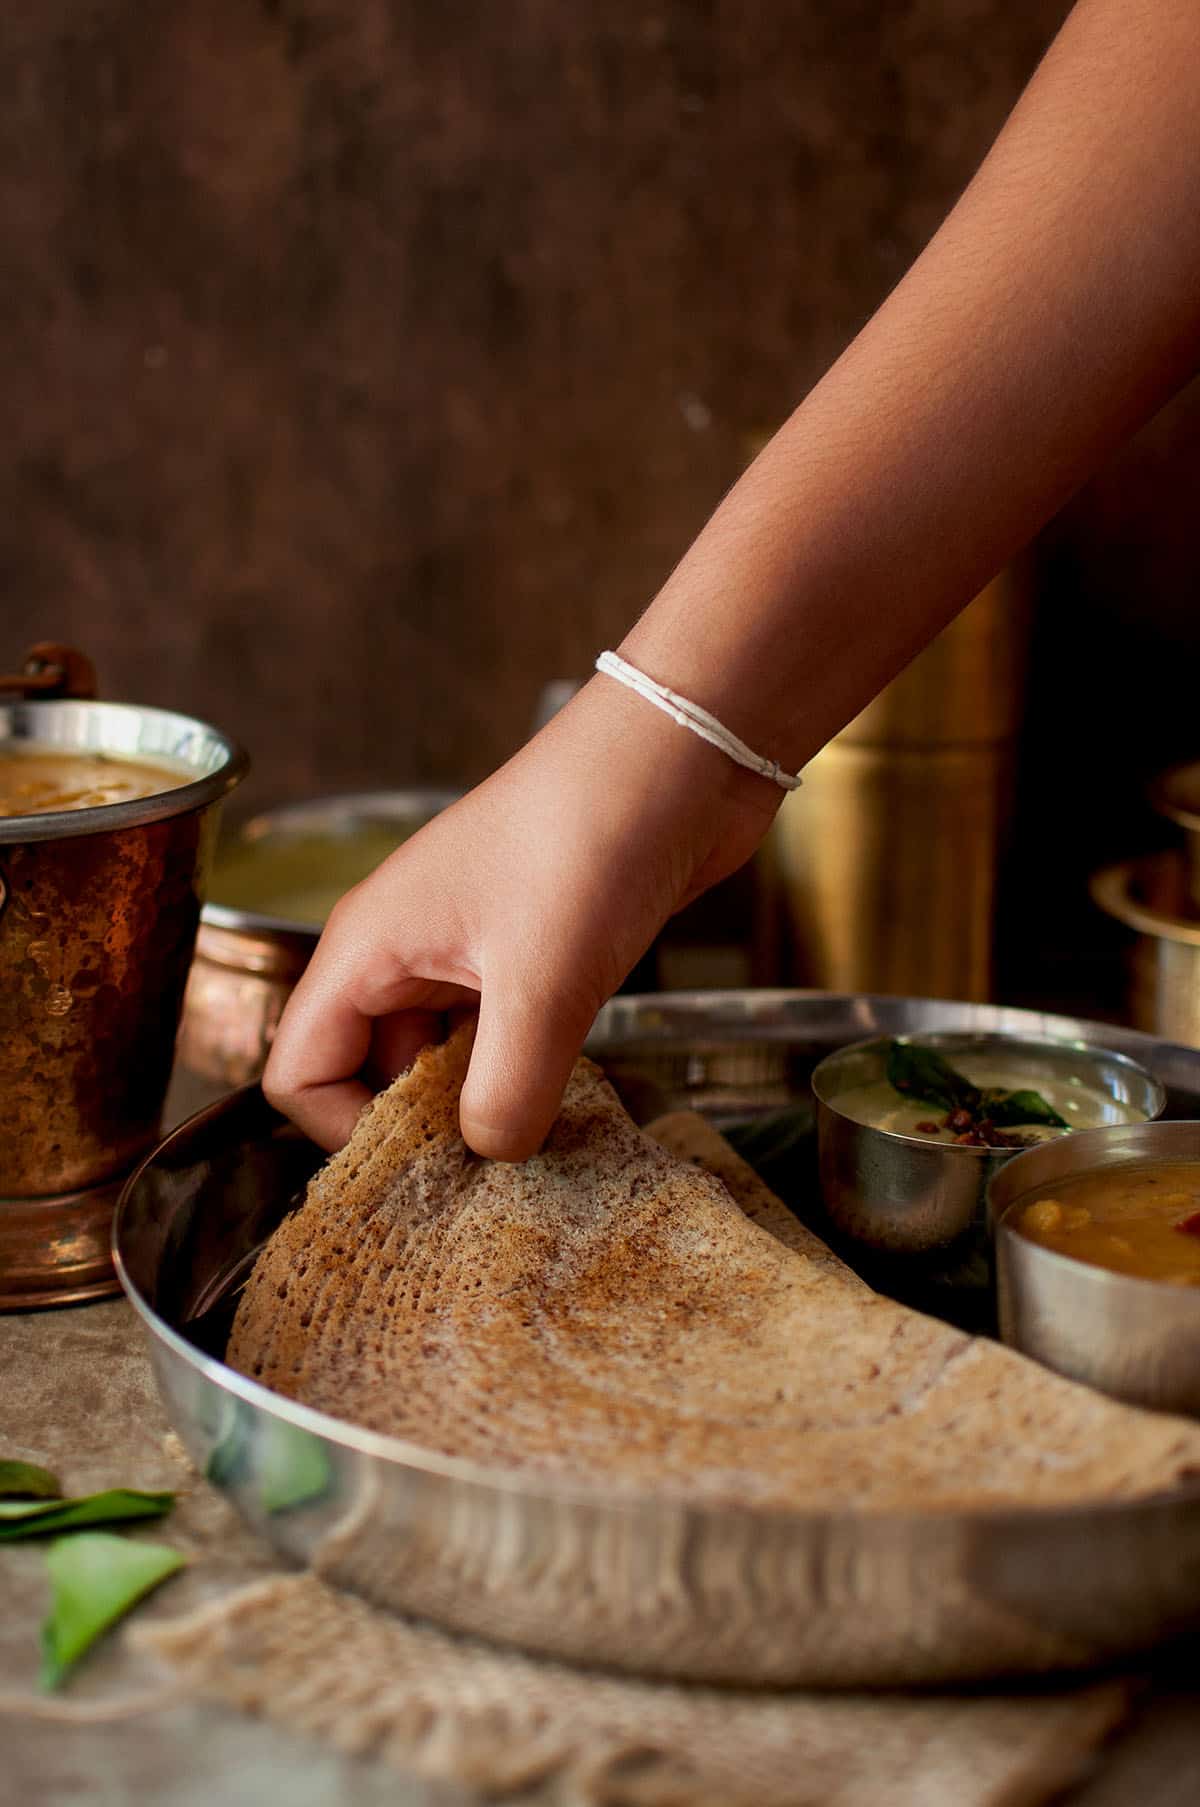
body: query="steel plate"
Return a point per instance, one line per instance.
(649, 1582)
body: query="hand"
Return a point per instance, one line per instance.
(530, 899)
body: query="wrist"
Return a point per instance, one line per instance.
(694, 719)
(675, 774)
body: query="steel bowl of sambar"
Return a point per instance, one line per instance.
(1098, 1260)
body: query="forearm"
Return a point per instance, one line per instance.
(1053, 311)
(1056, 308)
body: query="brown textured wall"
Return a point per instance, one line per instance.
(368, 364)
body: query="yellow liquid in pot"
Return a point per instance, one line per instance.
(299, 877)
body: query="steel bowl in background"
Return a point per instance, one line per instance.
(275, 881)
(1175, 794)
(98, 915)
(909, 1195)
(1150, 897)
(1136, 1339)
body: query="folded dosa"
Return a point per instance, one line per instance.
(635, 1314)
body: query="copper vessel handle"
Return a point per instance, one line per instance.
(51, 670)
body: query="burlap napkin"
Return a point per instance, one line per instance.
(317, 1661)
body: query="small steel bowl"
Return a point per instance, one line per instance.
(249, 960)
(1136, 1339)
(910, 1195)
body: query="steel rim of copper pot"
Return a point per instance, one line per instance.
(232, 762)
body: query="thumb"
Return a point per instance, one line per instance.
(529, 1036)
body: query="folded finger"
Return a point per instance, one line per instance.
(315, 1071)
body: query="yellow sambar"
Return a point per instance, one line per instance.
(1141, 1219)
(37, 780)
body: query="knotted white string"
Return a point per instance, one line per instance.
(691, 715)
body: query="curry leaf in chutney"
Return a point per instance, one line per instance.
(1009, 1110)
(922, 1074)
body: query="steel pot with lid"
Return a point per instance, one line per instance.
(275, 881)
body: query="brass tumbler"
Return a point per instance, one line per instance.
(887, 858)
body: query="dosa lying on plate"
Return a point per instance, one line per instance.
(636, 1313)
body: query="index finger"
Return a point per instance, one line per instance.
(314, 1073)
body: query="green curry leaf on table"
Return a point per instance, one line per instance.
(26, 1481)
(95, 1576)
(20, 1519)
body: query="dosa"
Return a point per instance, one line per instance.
(636, 1313)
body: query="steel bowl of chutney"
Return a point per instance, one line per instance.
(912, 1131)
(1098, 1260)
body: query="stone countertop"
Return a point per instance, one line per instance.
(79, 1396)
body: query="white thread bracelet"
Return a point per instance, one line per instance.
(691, 715)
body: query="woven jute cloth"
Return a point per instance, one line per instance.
(510, 1726)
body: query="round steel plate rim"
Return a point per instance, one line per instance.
(557, 1489)
(1057, 1043)
(731, 1025)
(1058, 1260)
(106, 818)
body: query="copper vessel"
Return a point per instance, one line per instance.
(291, 862)
(886, 860)
(244, 972)
(98, 916)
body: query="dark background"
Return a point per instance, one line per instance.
(368, 365)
